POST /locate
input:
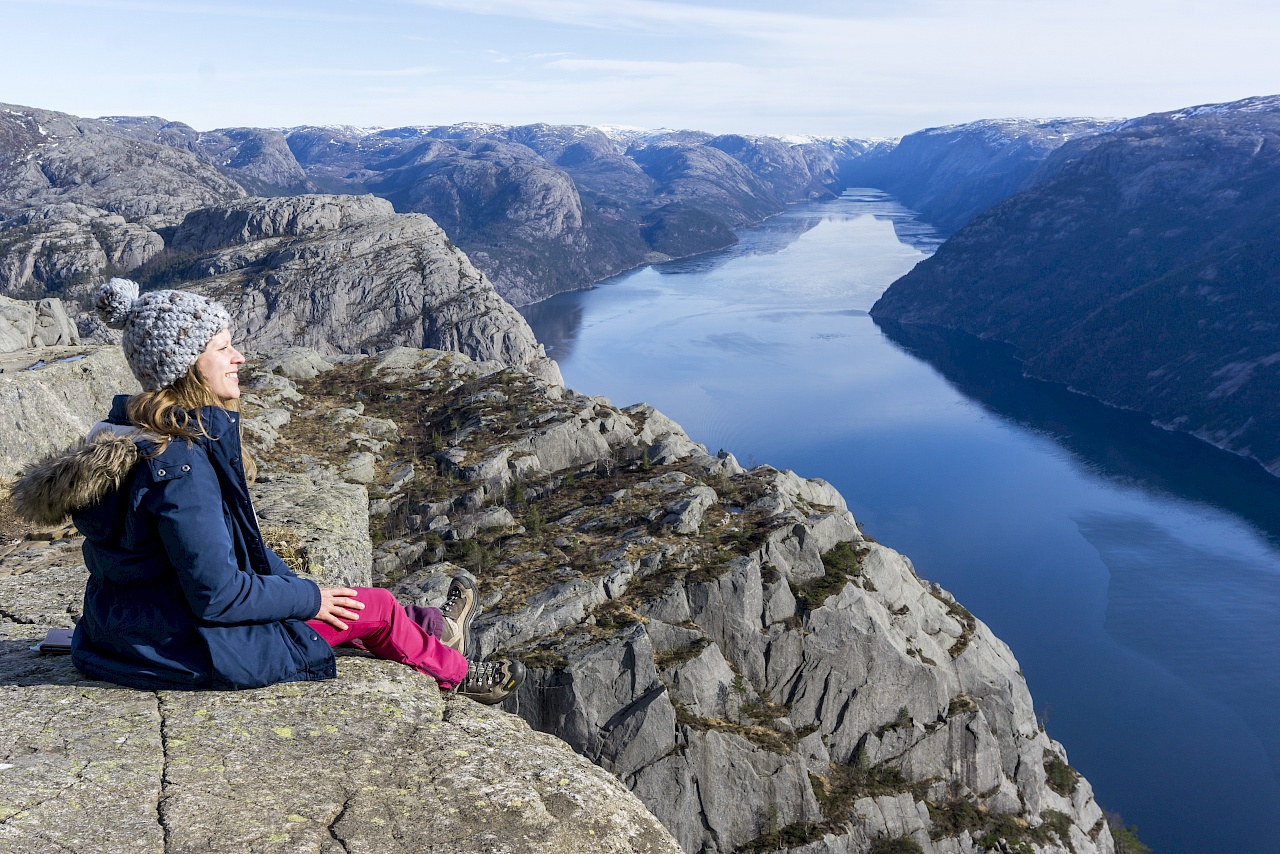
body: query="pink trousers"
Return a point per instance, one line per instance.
(384, 629)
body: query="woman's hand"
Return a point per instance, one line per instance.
(338, 604)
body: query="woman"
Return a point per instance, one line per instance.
(183, 592)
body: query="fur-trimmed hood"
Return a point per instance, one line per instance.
(49, 491)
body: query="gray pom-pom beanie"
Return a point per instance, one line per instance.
(164, 331)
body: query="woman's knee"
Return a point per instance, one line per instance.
(376, 600)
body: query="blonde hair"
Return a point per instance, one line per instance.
(173, 412)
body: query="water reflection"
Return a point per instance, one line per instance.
(1118, 444)
(1197, 609)
(557, 321)
(1192, 607)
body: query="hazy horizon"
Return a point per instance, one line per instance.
(875, 68)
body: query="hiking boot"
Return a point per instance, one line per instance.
(491, 682)
(460, 608)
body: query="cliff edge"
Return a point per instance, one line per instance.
(726, 642)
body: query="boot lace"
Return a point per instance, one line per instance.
(482, 675)
(451, 601)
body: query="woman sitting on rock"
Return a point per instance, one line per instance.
(182, 591)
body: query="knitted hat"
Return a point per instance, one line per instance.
(164, 331)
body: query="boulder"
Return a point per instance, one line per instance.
(45, 408)
(41, 323)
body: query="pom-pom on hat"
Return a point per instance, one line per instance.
(164, 331)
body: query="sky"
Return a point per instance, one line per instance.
(861, 68)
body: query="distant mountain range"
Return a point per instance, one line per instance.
(1133, 260)
(1139, 265)
(539, 208)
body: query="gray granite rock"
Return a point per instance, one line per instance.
(48, 408)
(297, 363)
(323, 517)
(376, 760)
(718, 669)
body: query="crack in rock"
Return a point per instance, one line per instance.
(332, 828)
(163, 782)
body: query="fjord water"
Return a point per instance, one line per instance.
(1135, 573)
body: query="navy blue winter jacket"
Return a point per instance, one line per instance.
(183, 593)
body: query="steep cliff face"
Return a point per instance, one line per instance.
(726, 642)
(346, 273)
(1138, 267)
(951, 174)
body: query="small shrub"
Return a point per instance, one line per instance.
(289, 547)
(842, 564)
(680, 655)
(534, 523)
(1126, 837)
(543, 658)
(901, 845)
(1060, 776)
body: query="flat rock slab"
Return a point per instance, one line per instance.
(374, 761)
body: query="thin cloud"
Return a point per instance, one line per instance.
(650, 15)
(216, 10)
(643, 67)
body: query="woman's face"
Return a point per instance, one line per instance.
(219, 366)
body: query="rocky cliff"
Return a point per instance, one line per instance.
(344, 274)
(951, 174)
(726, 642)
(1138, 267)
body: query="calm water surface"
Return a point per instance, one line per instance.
(1135, 573)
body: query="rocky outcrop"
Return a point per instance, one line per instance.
(344, 274)
(376, 760)
(950, 174)
(1139, 268)
(725, 642)
(25, 324)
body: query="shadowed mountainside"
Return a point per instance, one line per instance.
(951, 174)
(1139, 267)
